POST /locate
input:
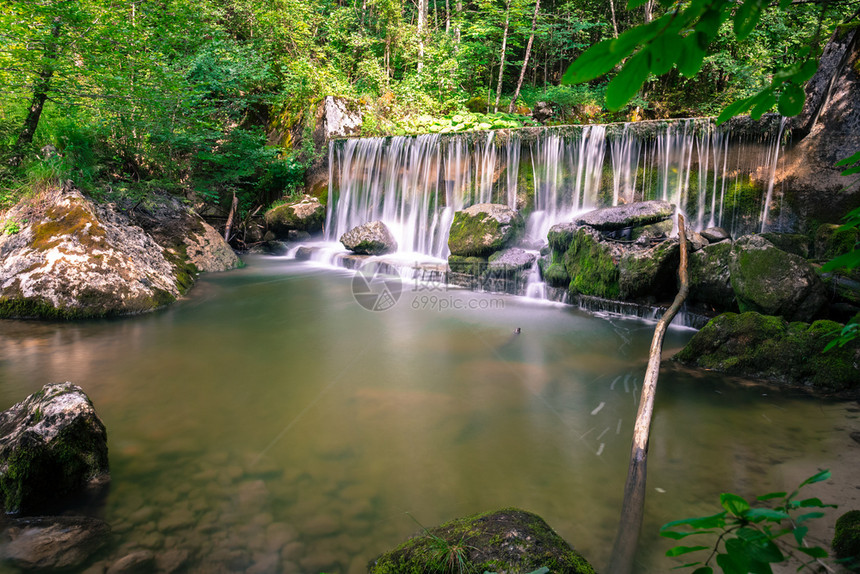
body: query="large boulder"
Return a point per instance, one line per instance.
(650, 273)
(592, 265)
(306, 214)
(483, 229)
(52, 543)
(71, 258)
(52, 446)
(508, 540)
(710, 280)
(846, 539)
(649, 218)
(759, 346)
(372, 238)
(770, 281)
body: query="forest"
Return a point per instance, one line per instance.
(194, 98)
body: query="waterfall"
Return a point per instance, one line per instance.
(415, 184)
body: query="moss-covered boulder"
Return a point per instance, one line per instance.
(795, 243)
(52, 446)
(561, 235)
(771, 281)
(592, 265)
(72, 258)
(508, 540)
(306, 214)
(831, 242)
(710, 281)
(651, 272)
(766, 347)
(483, 229)
(846, 539)
(372, 238)
(555, 275)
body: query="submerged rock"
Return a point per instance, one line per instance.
(483, 229)
(766, 347)
(773, 282)
(508, 540)
(372, 238)
(52, 446)
(307, 214)
(52, 542)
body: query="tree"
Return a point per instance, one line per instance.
(525, 60)
(502, 55)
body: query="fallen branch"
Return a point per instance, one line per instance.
(634, 489)
(229, 227)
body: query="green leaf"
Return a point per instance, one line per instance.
(734, 504)
(852, 170)
(691, 56)
(817, 477)
(791, 102)
(713, 521)
(756, 514)
(759, 546)
(783, 4)
(680, 550)
(746, 17)
(704, 570)
(849, 160)
(849, 260)
(814, 551)
(728, 565)
(771, 496)
(799, 534)
(735, 109)
(664, 51)
(708, 26)
(807, 70)
(808, 516)
(628, 81)
(764, 106)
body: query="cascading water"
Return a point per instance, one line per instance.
(416, 184)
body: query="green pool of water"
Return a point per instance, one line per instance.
(269, 423)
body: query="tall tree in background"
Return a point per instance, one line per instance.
(422, 24)
(516, 95)
(502, 56)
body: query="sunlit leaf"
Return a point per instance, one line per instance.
(691, 56)
(764, 106)
(771, 496)
(791, 102)
(765, 513)
(734, 109)
(817, 477)
(628, 81)
(734, 503)
(849, 160)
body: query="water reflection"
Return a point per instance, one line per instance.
(268, 423)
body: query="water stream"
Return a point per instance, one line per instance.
(268, 423)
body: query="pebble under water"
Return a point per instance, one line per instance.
(268, 423)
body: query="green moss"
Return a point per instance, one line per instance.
(795, 243)
(591, 267)
(475, 266)
(830, 242)
(743, 197)
(508, 540)
(846, 539)
(650, 273)
(60, 222)
(556, 276)
(481, 234)
(761, 346)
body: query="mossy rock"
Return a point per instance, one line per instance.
(830, 242)
(846, 539)
(710, 280)
(771, 281)
(307, 214)
(766, 347)
(560, 236)
(591, 266)
(650, 273)
(556, 276)
(507, 540)
(483, 229)
(52, 445)
(469, 265)
(795, 243)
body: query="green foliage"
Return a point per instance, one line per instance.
(463, 122)
(752, 537)
(11, 227)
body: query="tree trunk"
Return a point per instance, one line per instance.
(612, 13)
(502, 59)
(40, 94)
(457, 22)
(649, 11)
(634, 489)
(229, 227)
(447, 16)
(422, 24)
(525, 60)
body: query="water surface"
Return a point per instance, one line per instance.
(269, 423)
